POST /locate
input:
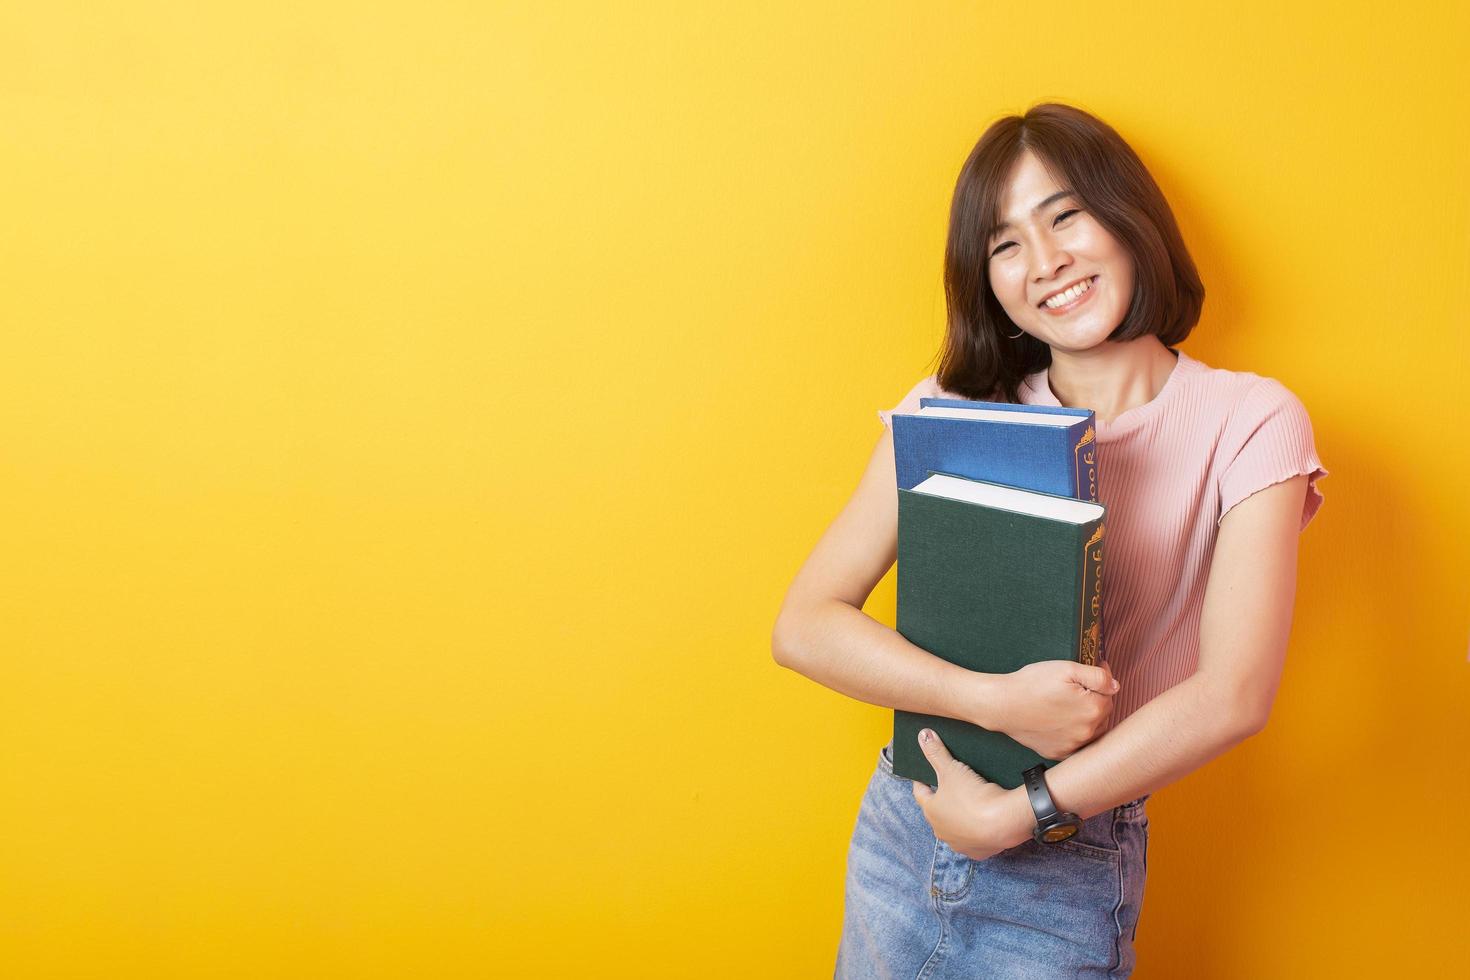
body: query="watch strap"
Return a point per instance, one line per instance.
(1040, 797)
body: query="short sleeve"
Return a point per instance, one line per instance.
(927, 388)
(1269, 439)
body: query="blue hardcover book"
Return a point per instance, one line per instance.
(1035, 447)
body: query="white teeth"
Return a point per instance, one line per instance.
(1062, 299)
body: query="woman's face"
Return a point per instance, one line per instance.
(1047, 251)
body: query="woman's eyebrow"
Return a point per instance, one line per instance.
(1067, 192)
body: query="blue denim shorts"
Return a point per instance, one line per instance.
(915, 908)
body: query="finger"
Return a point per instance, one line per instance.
(1097, 679)
(934, 750)
(923, 794)
(938, 754)
(943, 762)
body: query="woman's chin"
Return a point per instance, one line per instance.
(1076, 339)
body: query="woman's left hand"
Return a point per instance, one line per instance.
(974, 816)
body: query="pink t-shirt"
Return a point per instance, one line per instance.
(1168, 471)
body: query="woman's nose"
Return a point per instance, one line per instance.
(1050, 257)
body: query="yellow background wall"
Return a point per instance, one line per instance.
(413, 415)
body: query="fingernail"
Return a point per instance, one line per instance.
(925, 735)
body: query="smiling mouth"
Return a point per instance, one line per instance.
(1091, 282)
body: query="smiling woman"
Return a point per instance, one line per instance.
(1045, 202)
(1068, 284)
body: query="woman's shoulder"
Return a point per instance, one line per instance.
(1236, 393)
(926, 387)
(1264, 436)
(1255, 416)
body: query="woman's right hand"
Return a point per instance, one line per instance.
(1054, 707)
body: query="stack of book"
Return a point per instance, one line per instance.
(1000, 542)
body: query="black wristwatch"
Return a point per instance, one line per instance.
(1051, 825)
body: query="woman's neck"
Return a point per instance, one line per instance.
(1112, 377)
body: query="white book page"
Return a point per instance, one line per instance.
(995, 415)
(1011, 498)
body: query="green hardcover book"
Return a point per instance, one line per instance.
(992, 578)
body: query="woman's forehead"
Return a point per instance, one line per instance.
(1026, 186)
(1029, 189)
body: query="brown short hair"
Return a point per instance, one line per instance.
(978, 359)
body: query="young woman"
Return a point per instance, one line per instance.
(1068, 284)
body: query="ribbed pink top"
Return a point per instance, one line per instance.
(1169, 470)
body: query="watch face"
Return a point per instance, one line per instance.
(1063, 832)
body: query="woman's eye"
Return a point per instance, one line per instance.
(1061, 217)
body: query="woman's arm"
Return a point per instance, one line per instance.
(822, 633)
(1244, 627)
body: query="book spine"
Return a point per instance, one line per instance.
(1085, 460)
(1089, 641)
